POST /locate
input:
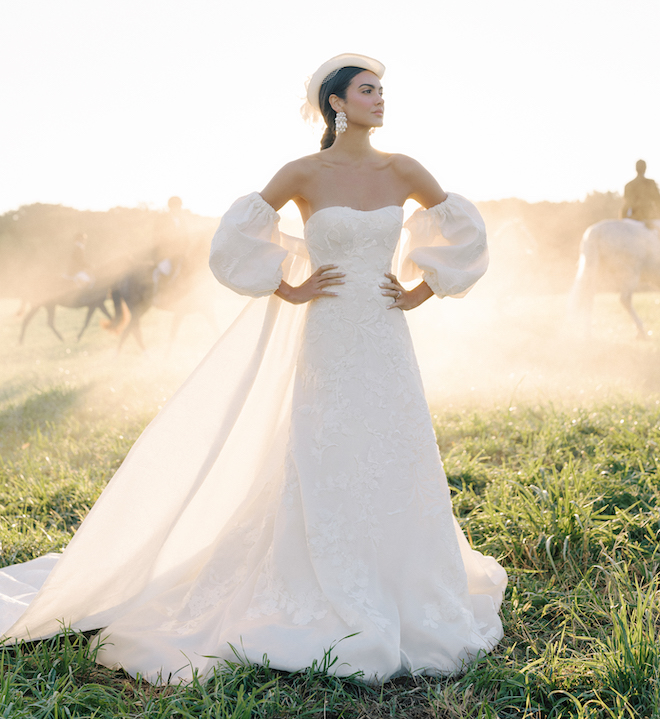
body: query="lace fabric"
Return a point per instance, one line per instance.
(336, 530)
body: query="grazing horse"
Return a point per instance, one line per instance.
(621, 255)
(52, 291)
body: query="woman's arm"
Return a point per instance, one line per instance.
(288, 184)
(423, 188)
(313, 287)
(405, 299)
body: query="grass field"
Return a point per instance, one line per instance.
(551, 447)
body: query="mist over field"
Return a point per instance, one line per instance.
(511, 339)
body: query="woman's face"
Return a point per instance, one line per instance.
(364, 104)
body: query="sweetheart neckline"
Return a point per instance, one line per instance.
(354, 209)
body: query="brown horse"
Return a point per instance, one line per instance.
(49, 292)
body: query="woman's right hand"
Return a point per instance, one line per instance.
(313, 287)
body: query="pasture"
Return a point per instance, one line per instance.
(551, 446)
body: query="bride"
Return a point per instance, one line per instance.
(290, 498)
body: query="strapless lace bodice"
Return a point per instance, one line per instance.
(361, 244)
(362, 241)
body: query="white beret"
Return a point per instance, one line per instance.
(336, 63)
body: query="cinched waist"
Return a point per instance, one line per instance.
(358, 275)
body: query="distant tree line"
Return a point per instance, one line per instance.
(542, 239)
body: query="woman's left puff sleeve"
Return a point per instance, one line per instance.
(245, 253)
(446, 245)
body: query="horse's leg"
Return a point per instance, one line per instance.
(88, 317)
(581, 298)
(129, 329)
(50, 309)
(133, 327)
(26, 321)
(626, 301)
(137, 332)
(104, 309)
(117, 303)
(122, 338)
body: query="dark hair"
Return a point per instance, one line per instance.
(336, 85)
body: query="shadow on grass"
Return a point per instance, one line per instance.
(41, 408)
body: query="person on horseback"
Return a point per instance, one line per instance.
(171, 245)
(641, 198)
(78, 267)
(170, 237)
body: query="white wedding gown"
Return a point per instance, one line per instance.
(290, 498)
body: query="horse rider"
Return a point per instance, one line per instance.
(641, 198)
(78, 267)
(171, 241)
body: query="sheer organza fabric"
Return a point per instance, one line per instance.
(290, 497)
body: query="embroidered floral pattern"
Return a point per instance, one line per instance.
(362, 448)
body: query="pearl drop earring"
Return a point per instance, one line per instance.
(340, 122)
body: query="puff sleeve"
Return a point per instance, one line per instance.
(446, 245)
(246, 254)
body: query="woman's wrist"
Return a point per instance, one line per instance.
(284, 291)
(419, 294)
(291, 294)
(319, 284)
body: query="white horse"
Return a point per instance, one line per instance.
(619, 255)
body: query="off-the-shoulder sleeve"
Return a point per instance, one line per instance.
(447, 243)
(246, 255)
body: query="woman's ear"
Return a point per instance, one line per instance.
(336, 103)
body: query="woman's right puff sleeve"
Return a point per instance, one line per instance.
(245, 252)
(446, 246)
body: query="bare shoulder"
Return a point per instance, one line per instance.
(406, 165)
(299, 168)
(289, 181)
(420, 183)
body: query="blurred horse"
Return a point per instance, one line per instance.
(179, 285)
(51, 291)
(134, 291)
(622, 255)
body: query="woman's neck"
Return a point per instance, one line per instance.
(353, 144)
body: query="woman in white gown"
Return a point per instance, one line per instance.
(290, 498)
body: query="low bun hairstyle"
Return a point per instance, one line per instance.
(336, 85)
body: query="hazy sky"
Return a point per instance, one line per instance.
(121, 102)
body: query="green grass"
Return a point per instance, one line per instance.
(565, 493)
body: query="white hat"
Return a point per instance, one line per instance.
(336, 63)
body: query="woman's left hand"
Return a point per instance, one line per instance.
(404, 299)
